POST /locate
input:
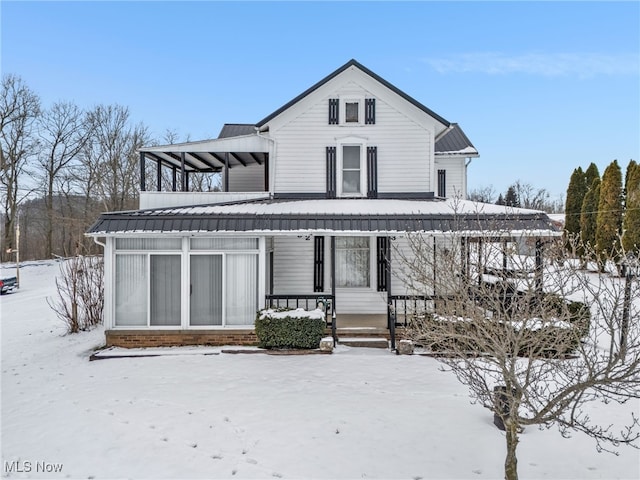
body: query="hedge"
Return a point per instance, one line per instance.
(290, 328)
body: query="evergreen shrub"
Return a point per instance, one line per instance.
(290, 329)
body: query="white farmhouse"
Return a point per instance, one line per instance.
(314, 198)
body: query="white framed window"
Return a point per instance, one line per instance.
(352, 167)
(352, 111)
(353, 262)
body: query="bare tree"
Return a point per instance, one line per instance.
(110, 160)
(483, 194)
(64, 131)
(19, 107)
(534, 345)
(80, 293)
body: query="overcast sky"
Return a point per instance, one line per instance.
(539, 88)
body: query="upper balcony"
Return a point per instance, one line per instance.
(210, 171)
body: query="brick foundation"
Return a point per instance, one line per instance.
(173, 338)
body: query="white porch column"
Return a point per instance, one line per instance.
(109, 261)
(262, 271)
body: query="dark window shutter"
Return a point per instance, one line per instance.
(370, 111)
(442, 183)
(318, 264)
(334, 105)
(372, 172)
(331, 172)
(381, 247)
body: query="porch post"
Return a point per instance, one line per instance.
(262, 271)
(174, 175)
(333, 289)
(143, 183)
(504, 256)
(226, 171)
(186, 181)
(159, 176)
(182, 173)
(391, 317)
(539, 266)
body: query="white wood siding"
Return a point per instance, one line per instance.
(246, 179)
(402, 134)
(292, 265)
(456, 176)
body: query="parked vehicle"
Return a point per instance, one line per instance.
(8, 284)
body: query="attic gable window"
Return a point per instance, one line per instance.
(351, 112)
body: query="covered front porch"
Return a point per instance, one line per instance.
(200, 273)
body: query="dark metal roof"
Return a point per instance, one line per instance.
(164, 221)
(354, 63)
(453, 140)
(236, 129)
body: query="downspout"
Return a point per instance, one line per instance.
(466, 173)
(272, 159)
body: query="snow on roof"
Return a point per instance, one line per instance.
(352, 206)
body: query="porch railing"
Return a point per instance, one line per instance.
(305, 301)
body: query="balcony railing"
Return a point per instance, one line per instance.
(181, 199)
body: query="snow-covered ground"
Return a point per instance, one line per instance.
(359, 413)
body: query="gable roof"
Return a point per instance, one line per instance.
(353, 63)
(236, 130)
(454, 141)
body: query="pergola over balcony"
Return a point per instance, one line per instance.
(208, 156)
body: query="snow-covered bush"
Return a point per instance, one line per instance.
(290, 328)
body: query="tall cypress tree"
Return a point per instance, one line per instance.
(588, 215)
(631, 223)
(609, 218)
(591, 173)
(629, 173)
(576, 191)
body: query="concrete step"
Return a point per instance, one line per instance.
(370, 342)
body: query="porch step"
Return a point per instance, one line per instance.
(370, 342)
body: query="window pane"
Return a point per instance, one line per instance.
(351, 182)
(166, 243)
(351, 157)
(206, 290)
(165, 289)
(351, 111)
(131, 290)
(242, 289)
(352, 262)
(225, 243)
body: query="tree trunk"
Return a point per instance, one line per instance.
(511, 461)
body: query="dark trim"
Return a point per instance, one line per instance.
(318, 264)
(240, 161)
(353, 63)
(143, 180)
(271, 276)
(206, 162)
(256, 158)
(372, 172)
(226, 171)
(369, 111)
(182, 173)
(174, 178)
(159, 176)
(266, 172)
(442, 183)
(406, 195)
(381, 263)
(299, 196)
(334, 109)
(331, 172)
